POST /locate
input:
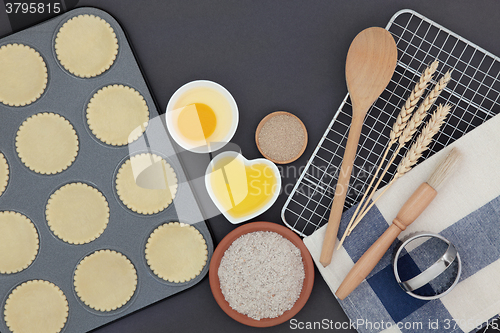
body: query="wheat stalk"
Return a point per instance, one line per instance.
(421, 112)
(410, 129)
(415, 151)
(423, 140)
(407, 109)
(397, 129)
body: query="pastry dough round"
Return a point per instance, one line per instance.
(176, 252)
(117, 115)
(47, 143)
(4, 173)
(159, 183)
(18, 242)
(24, 75)
(36, 306)
(86, 45)
(77, 213)
(105, 280)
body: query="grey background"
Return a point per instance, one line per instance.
(271, 55)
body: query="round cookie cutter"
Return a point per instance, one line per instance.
(444, 263)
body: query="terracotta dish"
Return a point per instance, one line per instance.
(224, 245)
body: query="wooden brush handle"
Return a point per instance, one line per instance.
(415, 205)
(412, 208)
(341, 191)
(367, 262)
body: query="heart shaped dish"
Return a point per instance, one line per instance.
(242, 189)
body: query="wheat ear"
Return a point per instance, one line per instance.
(410, 129)
(421, 112)
(397, 129)
(407, 109)
(415, 151)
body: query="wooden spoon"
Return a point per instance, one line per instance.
(371, 61)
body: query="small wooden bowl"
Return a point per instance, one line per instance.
(264, 120)
(224, 245)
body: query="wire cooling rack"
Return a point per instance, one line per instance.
(473, 93)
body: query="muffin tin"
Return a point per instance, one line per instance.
(96, 164)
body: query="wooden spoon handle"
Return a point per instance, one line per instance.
(341, 190)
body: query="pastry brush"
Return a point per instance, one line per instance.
(412, 208)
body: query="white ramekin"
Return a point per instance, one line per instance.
(179, 138)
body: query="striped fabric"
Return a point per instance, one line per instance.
(466, 211)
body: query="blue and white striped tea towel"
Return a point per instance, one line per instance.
(466, 211)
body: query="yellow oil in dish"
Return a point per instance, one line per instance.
(242, 190)
(193, 114)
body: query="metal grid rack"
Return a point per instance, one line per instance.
(473, 93)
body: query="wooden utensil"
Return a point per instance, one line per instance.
(412, 209)
(371, 61)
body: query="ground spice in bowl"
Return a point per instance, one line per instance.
(261, 274)
(281, 137)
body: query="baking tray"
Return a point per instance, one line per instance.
(96, 164)
(473, 93)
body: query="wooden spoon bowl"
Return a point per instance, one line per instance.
(370, 64)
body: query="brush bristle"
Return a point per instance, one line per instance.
(444, 169)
